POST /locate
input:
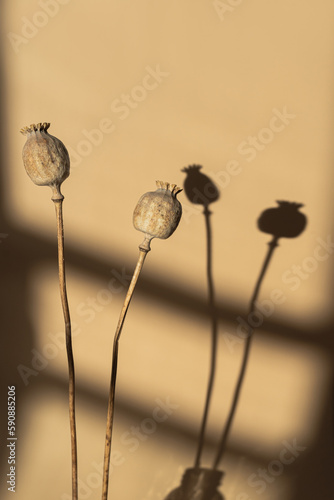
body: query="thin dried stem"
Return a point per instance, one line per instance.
(111, 402)
(63, 294)
(252, 307)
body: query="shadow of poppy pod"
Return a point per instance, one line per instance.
(158, 213)
(45, 158)
(198, 484)
(198, 187)
(284, 221)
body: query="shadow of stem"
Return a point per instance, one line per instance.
(223, 440)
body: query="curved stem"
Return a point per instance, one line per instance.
(111, 402)
(63, 295)
(213, 316)
(222, 444)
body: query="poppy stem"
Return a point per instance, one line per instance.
(252, 307)
(58, 201)
(111, 402)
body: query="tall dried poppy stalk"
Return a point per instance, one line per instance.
(157, 215)
(47, 163)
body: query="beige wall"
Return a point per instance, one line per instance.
(201, 83)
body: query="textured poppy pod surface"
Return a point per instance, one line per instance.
(45, 157)
(158, 213)
(284, 221)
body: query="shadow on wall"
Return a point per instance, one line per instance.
(22, 251)
(285, 221)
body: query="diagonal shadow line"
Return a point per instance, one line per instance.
(39, 250)
(94, 397)
(181, 433)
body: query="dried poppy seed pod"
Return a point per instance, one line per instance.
(284, 221)
(158, 213)
(45, 158)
